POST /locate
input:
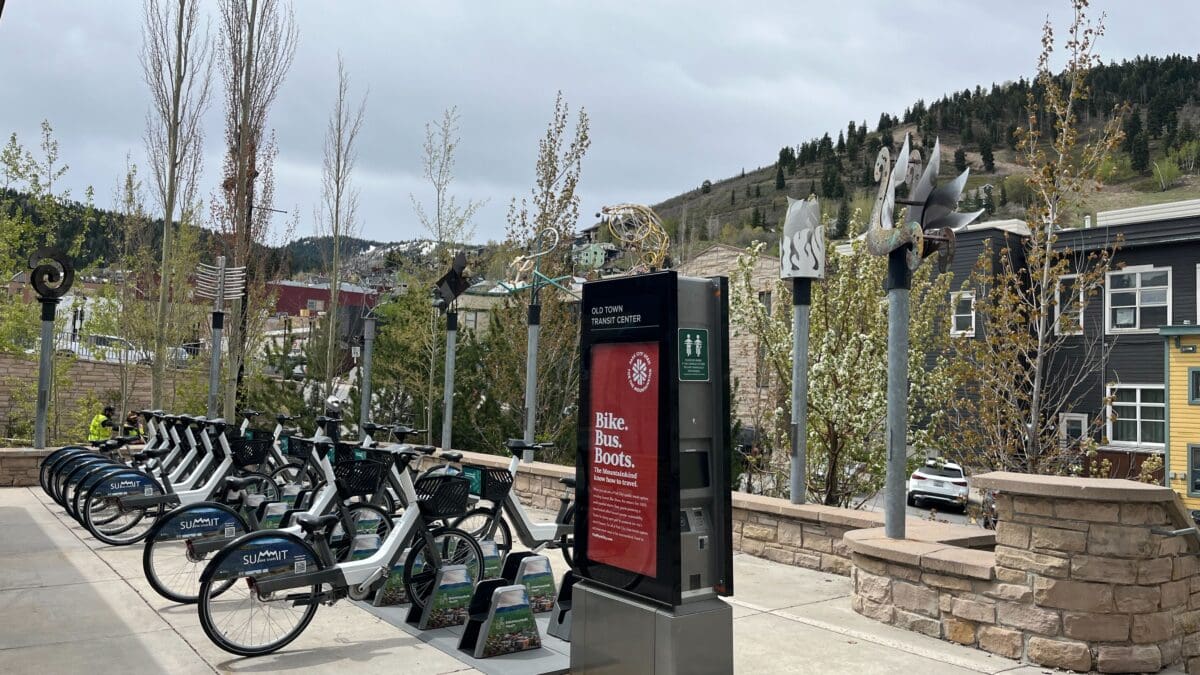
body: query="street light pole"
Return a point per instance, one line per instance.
(50, 282)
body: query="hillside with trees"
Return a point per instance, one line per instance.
(977, 128)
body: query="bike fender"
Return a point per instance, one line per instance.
(262, 555)
(127, 483)
(203, 520)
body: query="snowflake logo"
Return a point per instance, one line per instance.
(640, 372)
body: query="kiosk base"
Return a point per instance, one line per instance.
(614, 634)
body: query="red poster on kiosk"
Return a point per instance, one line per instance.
(623, 457)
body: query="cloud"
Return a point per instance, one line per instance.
(677, 91)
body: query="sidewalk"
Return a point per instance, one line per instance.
(70, 604)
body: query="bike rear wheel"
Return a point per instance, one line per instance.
(240, 619)
(478, 522)
(171, 565)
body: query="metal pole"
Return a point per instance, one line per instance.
(214, 368)
(899, 280)
(535, 321)
(364, 390)
(218, 324)
(45, 366)
(801, 303)
(448, 387)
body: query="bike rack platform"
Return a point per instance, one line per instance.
(554, 657)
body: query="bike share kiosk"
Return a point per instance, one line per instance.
(653, 535)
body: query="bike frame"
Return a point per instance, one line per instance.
(533, 533)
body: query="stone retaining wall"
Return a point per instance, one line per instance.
(1083, 577)
(19, 466)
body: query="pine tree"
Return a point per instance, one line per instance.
(780, 183)
(1186, 133)
(1132, 128)
(1003, 195)
(842, 224)
(1139, 156)
(985, 152)
(960, 160)
(732, 197)
(755, 217)
(841, 144)
(989, 204)
(757, 190)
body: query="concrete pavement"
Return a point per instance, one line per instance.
(70, 604)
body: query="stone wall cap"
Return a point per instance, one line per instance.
(1069, 487)
(966, 536)
(933, 556)
(25, 452)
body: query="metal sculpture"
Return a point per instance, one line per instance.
(51, 281)
(801, 259)
(220, 284)
(927, 227)
(638, 229)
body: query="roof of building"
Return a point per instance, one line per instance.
(345, 287)
(1187, 208)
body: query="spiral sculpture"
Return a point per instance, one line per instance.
(640, 232)
(51, 280)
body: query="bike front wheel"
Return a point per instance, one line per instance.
(451, 547)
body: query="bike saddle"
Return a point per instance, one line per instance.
(569, 481)
(156, 454)
(239, 482)
(281, 418)
(451, 456)
(429, 450)
(248, 413)
(311, 523)
(290, 431)
(371, 427)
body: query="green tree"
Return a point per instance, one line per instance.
(842, 224)
(960, 160)
(1139, 157)
(780, 183)
(985, 153)
(1006, 416)
(1132, 128)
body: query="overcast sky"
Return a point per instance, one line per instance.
(677, 92)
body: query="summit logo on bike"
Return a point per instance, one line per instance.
(124, 484)
(199, 523)
(267, 556)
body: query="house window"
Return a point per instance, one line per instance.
(1139, 299)
(470, 319)
(762, 371)
(1194, 386)
(1193, 470)
(1068, 303)
(962, 322)
(1072, 429)
(1137, 415)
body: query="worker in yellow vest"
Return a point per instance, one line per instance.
(97, 430)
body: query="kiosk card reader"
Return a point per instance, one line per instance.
(653, 535)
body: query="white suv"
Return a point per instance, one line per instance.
(938, 480)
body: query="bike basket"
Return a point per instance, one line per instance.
(382, 456)
(359, 477)
(297, 447)
(488, 483)
(347, 452)
(443, 496)
(249, 451)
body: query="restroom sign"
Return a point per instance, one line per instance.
(693, 351)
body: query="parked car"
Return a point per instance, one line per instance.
(939, 481)
(110, 348)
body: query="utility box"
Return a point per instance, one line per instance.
(653, 534)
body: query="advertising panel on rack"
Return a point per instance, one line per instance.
(623, 478)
